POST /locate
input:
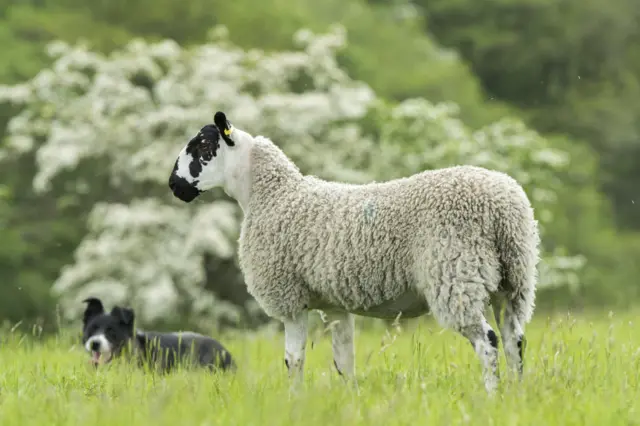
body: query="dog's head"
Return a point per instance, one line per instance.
(106, 334)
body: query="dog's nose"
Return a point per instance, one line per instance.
(95, 346)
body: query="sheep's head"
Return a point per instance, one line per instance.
(201, 163)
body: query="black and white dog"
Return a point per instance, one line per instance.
(109, 335)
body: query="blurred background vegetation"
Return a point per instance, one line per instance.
(570, 69)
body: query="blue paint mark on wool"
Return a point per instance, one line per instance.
(369, 211)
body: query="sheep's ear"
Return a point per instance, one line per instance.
(225, 128)
(94, 307)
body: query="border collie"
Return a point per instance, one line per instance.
(109, 335)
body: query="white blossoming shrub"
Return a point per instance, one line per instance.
(128, 114)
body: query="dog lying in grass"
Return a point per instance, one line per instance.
(110, 335)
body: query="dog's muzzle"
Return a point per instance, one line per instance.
(182, 189)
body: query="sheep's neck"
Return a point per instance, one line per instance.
(239, 191)
(237, 182)
(272, 172)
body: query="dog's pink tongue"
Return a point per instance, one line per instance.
(95, 358)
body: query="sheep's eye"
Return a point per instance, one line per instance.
(206, 150)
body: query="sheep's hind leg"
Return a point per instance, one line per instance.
(485, 343)
(513, 340)
(497, 305)
(459, 304)
(295, 341)
(342, 331)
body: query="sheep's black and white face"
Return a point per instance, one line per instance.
(200, 165)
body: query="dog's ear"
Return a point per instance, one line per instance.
(125, 315)
(224, 127)
(94, 307)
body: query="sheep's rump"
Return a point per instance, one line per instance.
(375, 249)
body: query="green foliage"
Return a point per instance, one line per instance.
(38, 233)
(386, 49)
(20, 58)
(572, 65)
(181, 21)
(25, 29)
(386, 46)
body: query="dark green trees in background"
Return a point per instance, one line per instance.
(571, 66)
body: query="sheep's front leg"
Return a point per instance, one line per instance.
(295, 341)
(342, 332)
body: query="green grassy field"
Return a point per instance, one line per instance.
(579, 371)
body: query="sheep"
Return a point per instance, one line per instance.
(449, 241)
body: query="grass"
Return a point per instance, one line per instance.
(579, 371)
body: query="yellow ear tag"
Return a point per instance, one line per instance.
(227, 131)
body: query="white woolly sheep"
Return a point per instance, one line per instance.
(450, 241)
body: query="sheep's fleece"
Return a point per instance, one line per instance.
(448, 234)
(448, 241)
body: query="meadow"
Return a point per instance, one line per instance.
(580, 370)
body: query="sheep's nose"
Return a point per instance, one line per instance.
(95, 346)
(182, 189)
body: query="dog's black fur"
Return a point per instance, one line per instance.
(109, 335)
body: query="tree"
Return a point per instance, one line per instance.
(109, 127)
(571, 66)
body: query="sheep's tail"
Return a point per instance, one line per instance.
(518, 246)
